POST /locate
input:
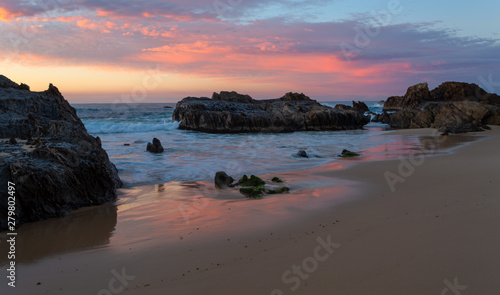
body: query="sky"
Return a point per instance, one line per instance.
(161, 51)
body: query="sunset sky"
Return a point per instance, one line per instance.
(162, 51)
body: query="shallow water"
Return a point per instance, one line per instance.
(191, 155)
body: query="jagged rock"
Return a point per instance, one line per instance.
(302, 154)
(155, 147)
(7, 83)
(222, 179)
(24, 87)
(232, 96)
(359, 107)
(65, 169)
(12, 141)
(454, 107)
(414, 96)
(230, 112)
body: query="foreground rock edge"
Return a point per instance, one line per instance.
(56, 165)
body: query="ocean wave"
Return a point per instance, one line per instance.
(108, 128)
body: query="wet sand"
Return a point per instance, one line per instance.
(441, 222)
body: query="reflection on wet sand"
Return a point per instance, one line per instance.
(406, 145)
(83, 229)
(152, 215)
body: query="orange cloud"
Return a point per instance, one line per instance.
(8, 16)
(102, 26)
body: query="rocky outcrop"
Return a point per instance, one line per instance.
(56, 165)
(415, 95)
(7, 83)
(302, 154)
(359, 107)
(222, 180)
(452, 107)
(230, 112)
(155, 147)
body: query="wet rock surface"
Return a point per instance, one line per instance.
(56, 165)
(231, 112)
(155, 147)
(452, 107)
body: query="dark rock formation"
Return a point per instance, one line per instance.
(60, 167)
(230, 112)
(359, 107)
(302, 154)
(12, 141)
(253, 192)
(415, 95)
(276, 179)
(453, 107)
(155, 147)
(253, 187)
(252, 181)
(222, 179)
(7, 83)
(348, 154)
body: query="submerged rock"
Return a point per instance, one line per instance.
(453, 107)
(155, 147)
(222, 179)
(254, 186)
(277, 180)
(61, 169)
(231, 112)
(12, 141)
(252, 181)
(348, 154)
(253, 192)
(302, 154)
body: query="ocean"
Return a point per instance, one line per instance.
(125, 130)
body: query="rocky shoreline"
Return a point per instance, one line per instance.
(57, 167)
(55, 164)
(452, 107)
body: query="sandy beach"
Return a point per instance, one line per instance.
(344, 229)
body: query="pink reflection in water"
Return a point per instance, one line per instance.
(175, 210)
